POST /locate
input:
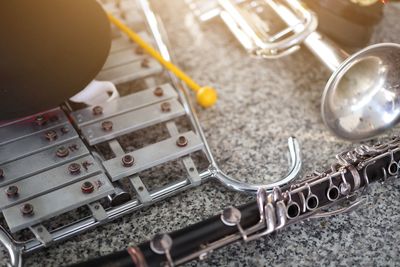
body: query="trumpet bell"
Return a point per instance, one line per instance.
(362, 97)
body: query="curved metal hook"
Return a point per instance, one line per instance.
(294, 169)
(13, 248)
(162, 43)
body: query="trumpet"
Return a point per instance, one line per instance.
(360, 99)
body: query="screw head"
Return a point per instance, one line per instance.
(62, 152)
(74, 168)
(97, 110)
(181, 141)
(107, 126)
(1, 173)
(87, 187)
(166, 107)
(51, 135)
(158, 92)
(12, 191)
(27, 209)
(128, 160)
(145, 63)
(40, 120)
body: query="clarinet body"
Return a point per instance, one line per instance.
(315, 196)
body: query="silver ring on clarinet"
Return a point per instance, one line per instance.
(356, 177)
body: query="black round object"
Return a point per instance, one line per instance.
(365, 15)
(49, 51)
(348, 24)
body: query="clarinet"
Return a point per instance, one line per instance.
(315, 196)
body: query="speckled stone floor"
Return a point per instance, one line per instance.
(261, 103)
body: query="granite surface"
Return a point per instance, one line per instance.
(261, 103)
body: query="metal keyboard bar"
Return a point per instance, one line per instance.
(47, 181)
(57, 202)
(42, 161)
(15, 130)
(120, 43)
(153, 155)
(123, 57)
(132, 121)
(129, 72)
(124, 104)
(36, 142)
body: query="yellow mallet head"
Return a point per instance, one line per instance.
(206, 96)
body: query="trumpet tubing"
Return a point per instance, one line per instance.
(359, 100)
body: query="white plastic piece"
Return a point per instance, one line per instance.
(96, 92)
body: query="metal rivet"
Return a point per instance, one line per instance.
(1, 173)
(74, 168)
(27, 209)
(62, 152)
(158, 92)
(166, 107)
(97, 110)
(107, 125)
(139, 51)
(51, 135)
(145, 63)
(181, 141)
(12, 191)
(40, 120)
(87, 187)
(64, 129)
(128, 160)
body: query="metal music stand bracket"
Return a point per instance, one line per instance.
(72, 162)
